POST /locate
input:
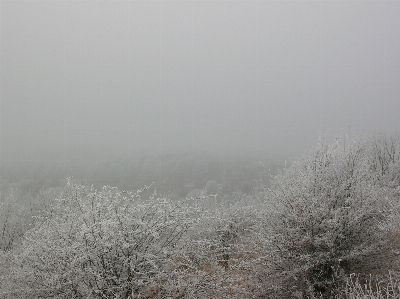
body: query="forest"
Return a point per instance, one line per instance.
(324, 225)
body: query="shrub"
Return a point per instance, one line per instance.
(387, 287)
(18, 214)
(222, 253)
(330, 215)
(101, 244)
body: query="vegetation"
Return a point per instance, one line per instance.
(327, 226)
(332, 211)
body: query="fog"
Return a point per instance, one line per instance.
(114, 79)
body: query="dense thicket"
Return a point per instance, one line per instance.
(329, 215)
(332, 211)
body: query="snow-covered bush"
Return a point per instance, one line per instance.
(387, 287)
(384, 151)
(221, 254)
(102, 244)
(11, 220)
(18, 212)
(115, 244)
(330, 216)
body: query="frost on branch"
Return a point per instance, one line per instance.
(333, 213)
(103, 244)
(331, 209)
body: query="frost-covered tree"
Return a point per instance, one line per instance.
(18, 214)
(334, 212)
(102, 244)
(329, 219)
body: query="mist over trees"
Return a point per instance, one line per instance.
(176, 174)
(326, 223)
(187, 149)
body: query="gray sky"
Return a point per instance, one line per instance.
(87, 79)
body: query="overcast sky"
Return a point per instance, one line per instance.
(86, 79)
